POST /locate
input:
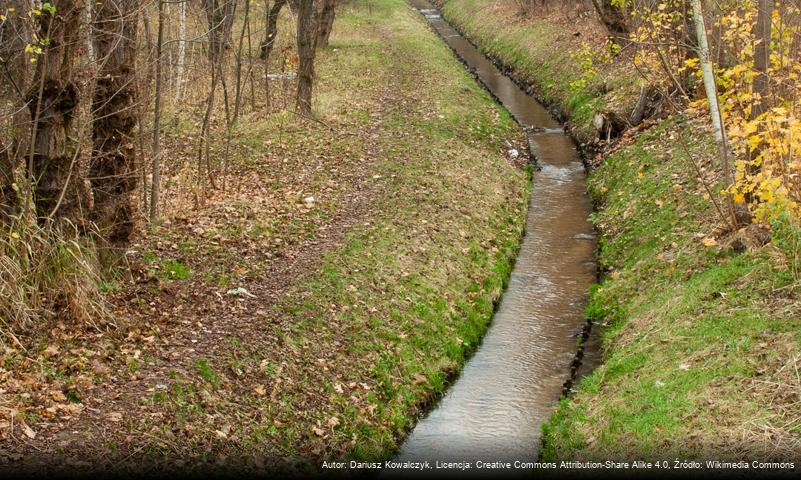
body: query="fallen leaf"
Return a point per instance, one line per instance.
(58, 396)
(50, 350)
(99, 367)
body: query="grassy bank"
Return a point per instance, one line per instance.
(411, 295)
(701, 340)
(543, 53)
(317, 306)
(701, 337)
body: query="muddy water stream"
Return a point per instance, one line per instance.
(511, 384)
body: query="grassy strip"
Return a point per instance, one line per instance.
(414, 291)
(702, 340)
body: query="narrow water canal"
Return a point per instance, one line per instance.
(511, 384)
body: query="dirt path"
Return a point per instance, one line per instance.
(195, 326)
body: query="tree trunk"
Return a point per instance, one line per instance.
(714, 105)
(180, 66)
(144, 93)
(90, 49)
(13, 83)
(8, 197)
(53, 99)
(326, 22)
(271, 27)
(270, 36)
(612, 17)
(761, 80)
(220, 16)
(762, 56)
(113, 169)
(641, 108)
(154, 148)
(238, 59)
(307, 38)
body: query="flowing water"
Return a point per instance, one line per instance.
(494, 410)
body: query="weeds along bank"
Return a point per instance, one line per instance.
(544, 55)
(701, 332)
(313, 309)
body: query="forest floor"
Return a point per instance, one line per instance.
(313, 308)
(701, 330)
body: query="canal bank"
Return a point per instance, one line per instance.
(700, 336)
(510, 385)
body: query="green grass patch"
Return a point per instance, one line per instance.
(687, 324)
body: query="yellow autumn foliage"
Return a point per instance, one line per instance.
(767, 147)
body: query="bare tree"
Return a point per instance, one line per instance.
(181, 63)
(326, 23)
(270, 35)
(714, 109)
(154, 149)
(113, 168)
(220, 16)
(144, 81)
(238, 61)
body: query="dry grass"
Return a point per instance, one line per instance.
(47, 273)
